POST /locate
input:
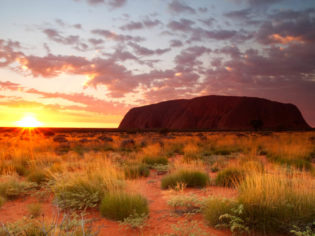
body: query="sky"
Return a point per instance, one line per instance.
(85, 63)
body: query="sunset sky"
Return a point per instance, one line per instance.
(85, 63)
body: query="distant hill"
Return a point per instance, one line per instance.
(216, 113)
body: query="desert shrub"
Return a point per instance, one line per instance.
(69, 225)
(155, 160)
(127, 145)
(136, 171)
(229, 177)
(81, 192)
(191, 151)
(170, 149)
(195, 179)
(21, 167)
(299, 163)
(161, 169)
(215, 207)
(11, 187)
(119, 206)
(275, 202)
(185, 203)
(38, 176)
(226, 150)
(234, 221)
(135, 221)
(34, 209)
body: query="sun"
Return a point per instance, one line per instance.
(29, 121)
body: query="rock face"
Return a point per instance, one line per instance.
(216, 113)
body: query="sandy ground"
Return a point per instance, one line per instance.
(161, 217)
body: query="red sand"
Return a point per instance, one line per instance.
(160, 220)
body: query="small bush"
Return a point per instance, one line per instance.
(215, 207)
(135, 221)
(69, 225)
(136, 171)
(11, 188)
(79, 192)
(185, 204)
(158, 160)
(34, 209)
(229, 177)
(194, 179)
(119, 206)
(37, 176)
(275, 202)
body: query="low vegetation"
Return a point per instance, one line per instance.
(136, 171)
(230, 177)
(266, 178)
(120, 205)
(192, 179)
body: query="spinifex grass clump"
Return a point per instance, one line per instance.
(230, 177)
(155, 160)
(136, 171)
(276, 202)
(152, 155)
(37, 176)
(11, 187)
(215, 207)
(81, 191)
(191, 152)
(191, 178)
(120, 205)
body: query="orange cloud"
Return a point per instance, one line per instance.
(285, 39)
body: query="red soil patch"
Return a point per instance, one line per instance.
(161, 217)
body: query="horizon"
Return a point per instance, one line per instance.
(86, 63)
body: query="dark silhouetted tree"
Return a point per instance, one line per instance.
(257, 124)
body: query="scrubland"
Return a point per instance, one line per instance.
(153, 183)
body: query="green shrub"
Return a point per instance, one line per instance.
(299, 163)
(119, 206)
(37, 176)
(192, 179)
(136, 171)
(275, 202)
(229, 177)
(11, 187)
(234, 221)
(79, 192)
(135, 221)
(185, 203)
(158, 160)
(215, 207)
(69, 225)
(173, 148)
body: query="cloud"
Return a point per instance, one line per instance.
(110, 3)
(138, 25)
(9, 85)
(117, 37)
(176, 43)
(180, 7)
(143, 51)
(200, 34)
(188, 57)
(288, 27)
(243, 14)
(56, 36)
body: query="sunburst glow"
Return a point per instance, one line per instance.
(29, 121)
